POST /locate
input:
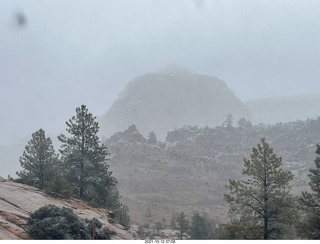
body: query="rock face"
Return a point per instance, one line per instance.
(190, 169)
(17, 201)
(171, 98)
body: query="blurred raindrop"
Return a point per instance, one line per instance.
(20, 20)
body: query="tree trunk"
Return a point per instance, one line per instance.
(266, 232)
(82, 166)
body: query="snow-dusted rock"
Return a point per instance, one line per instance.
(17, 201)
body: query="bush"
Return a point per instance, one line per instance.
(99, 233)
(122, 216)
(53, 223)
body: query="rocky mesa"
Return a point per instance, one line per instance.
(170, 98)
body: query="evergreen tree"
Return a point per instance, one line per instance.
(202, 228)
(261, 204)
(228, 122)
(85, 158)
(173, 221)
(121, 211)
(37, 161)
(122, 216)
(85, 165)
(232, 231)
(243, 123)
(310, 225)
(59, 187)
(157, 227)
(182, 224)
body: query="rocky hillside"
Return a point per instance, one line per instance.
(190, 169)
(17, 201)
(171, 98)
(285, 109)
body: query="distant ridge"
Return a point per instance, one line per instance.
(285, 109)
(170, 98)
(188, 172)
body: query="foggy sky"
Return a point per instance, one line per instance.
(77, 52)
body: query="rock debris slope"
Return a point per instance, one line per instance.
(17, 201)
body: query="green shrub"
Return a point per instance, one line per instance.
(53, 223)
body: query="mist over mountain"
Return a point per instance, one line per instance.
(191, 157)
(170, 98)
(285, 109)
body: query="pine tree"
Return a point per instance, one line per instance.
(85, 158)
(243, 123)
(157, 227)
(173, 221)
(310, 226)
(261, 204)
(37, 161)
(182, 224)
(228, 122)
(85, 165)
(202, 228)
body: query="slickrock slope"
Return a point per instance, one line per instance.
(17, 201)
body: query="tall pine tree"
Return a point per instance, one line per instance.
(85, 158)
(261, 204)
(182, 224)
(37, 161)
(310, 225)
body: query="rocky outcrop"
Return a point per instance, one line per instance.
(130, 135)
(189, 171)
(17, 201)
